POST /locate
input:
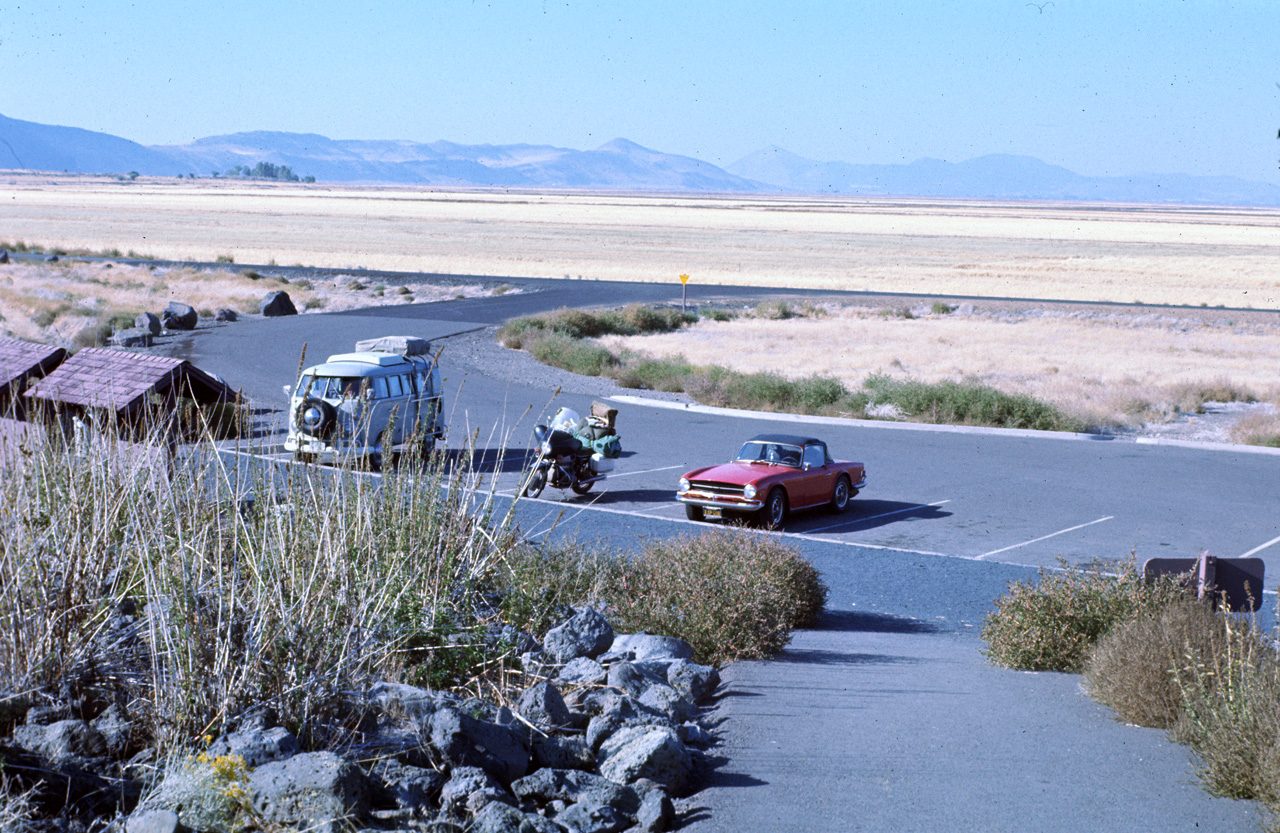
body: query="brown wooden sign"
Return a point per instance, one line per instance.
(1233, 583)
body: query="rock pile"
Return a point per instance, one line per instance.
(603, 737)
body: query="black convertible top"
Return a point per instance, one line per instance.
(787, 439)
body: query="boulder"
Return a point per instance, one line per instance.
(148, 321)
(632, 678)
(573, 786)
(276, 304)
(586, 634)
(401, 700)
(562, 753)
(257, 746)
(225, 314)
(637, 647)
(663, 698)
(656, 812)
(153, 821)
(116, 728)
(403, 787)
(62, 740)
(697, 682)
(178, 316)
(582, 671)
(542, 705)
(131, 337)
(593, 818)
(464, 741)
(4, 256)
(652, 752)
(462, 783)
(497, 817)
(318, 790)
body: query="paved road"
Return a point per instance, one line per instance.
(887, 718)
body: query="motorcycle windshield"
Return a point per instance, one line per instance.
(562, 442)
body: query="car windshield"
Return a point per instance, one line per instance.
(331, 387)
(758, 451)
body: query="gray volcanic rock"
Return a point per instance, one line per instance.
(178, 316)
(638, 647)
(131, 337)
(315, 789)
(697, 682)
(542, 705)
(652, 752)
(148, 321)
(593, 818)
(276, 304)
(497, 817)
(586, 634)
(465, 741)
(257, 746)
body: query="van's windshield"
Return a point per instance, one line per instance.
(331, 387)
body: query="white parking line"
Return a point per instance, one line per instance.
(855, 521)
(1261, 547)
(1043, 537)
(614, 474)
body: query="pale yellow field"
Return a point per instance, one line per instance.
(1109, 369)
(1187, 256)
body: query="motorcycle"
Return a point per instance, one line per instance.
(572, 452)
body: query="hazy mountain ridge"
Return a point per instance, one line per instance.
(616, 165)
(995, 176)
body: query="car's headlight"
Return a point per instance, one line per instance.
(546, 447)
(683, 485)
(748, 491)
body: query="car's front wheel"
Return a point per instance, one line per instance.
(840, 497)
(774, 511)
(694, 513)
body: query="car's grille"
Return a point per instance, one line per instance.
(716, 488)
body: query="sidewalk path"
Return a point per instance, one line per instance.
(880, 723)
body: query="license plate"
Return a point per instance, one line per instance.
(709, 512)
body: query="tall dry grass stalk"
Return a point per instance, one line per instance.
(134, 578)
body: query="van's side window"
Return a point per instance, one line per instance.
(379, 387)
(393, 382)
(424, 387)
(408, 384)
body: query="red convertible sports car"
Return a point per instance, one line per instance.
(772, 475)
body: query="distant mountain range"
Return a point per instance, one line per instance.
(617, 165)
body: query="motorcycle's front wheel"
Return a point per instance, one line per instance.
(536, 480)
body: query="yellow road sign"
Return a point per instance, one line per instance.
(684, 279)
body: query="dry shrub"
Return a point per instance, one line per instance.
(1052, 624)
(1231, 715)
(1140, 667)
(730, 593)
(1257, 429)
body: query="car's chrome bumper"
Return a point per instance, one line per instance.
(719, 502)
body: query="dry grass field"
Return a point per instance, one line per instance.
(76, 303)
(1108, 369)
(1187, 256)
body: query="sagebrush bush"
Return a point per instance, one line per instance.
(1051, 624)
(730, 593)
(1142, 667)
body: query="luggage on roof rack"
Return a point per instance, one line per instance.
(400, 345)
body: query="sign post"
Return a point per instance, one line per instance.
(684, 291)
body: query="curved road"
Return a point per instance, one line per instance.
(887, 717)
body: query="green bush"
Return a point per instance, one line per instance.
(730, 593)
(1052, 624)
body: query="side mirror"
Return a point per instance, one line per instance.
(288, 391)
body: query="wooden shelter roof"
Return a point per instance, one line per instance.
(120, 380)
(20, 360)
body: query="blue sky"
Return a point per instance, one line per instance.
(1103, 87)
